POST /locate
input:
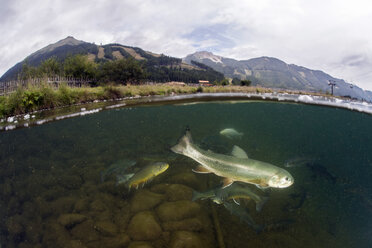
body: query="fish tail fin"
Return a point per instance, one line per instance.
(260, 204)
(123, 178)
(184, 142)
(196, 195)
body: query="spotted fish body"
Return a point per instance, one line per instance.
(143, 176)
(234, 168)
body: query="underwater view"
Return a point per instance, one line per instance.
(212, 174)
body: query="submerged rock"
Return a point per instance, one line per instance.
(140, 244)
(81, 205)
(187, 178)
(184, 239)
(14, 225)
(115, 242)
(70, 220)
(85, 231)
(143, 226)
(76, 244)
(145, 200)
(63, 205)
(176, 192)
(178, 210)
(160, 188)
(106, 228)
(193, 224)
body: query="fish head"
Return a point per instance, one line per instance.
(160, 167)
(281, 180)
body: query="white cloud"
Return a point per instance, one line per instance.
(316, 34)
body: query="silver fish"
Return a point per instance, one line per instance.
(235, 191)
(231, 133)
(234, 168)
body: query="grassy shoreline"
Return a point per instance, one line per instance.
(29, 99)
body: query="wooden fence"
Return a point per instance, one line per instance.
(55, 82)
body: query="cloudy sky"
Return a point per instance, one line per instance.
(330, 35)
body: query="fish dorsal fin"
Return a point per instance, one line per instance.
(227, 182)
(201, 169)
(238, 152)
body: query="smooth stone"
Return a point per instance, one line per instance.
(140, 244)
(145, 200)
(178, 210)
(76, 244)
(184, 239)
(81, 205)
(14, 225)
(187, 178)
(143, 226)
(55, 235)
(106, 228)
(115, 242)
(85, 231)
(34, 231)
(70, 220)
(63, 205)
(193, 224)
(176, 192)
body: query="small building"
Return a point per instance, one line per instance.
(205, 83)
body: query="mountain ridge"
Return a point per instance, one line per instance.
(274, 73)
(160, 68)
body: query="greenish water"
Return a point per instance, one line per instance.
(51, 171)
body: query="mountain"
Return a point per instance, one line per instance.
(159, 67)
(274, 73)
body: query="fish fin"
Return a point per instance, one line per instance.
(183, 143)
(227, 182)
(238, 152)
(123, 178)
(236, 202)
(202, 170)
(260, 204)
(261, 187)
(196, 195)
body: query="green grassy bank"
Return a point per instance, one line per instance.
(29, 99)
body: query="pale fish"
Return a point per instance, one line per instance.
(234, 168)
(119, 167)
(235, 192)
(143, 176)
(231, 133)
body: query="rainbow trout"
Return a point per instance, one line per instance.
(234, 168)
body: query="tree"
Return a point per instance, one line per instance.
(245, 82)
(224, 81)
(50, 67)
(79, 66)
(122, 71)
(29, 72)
